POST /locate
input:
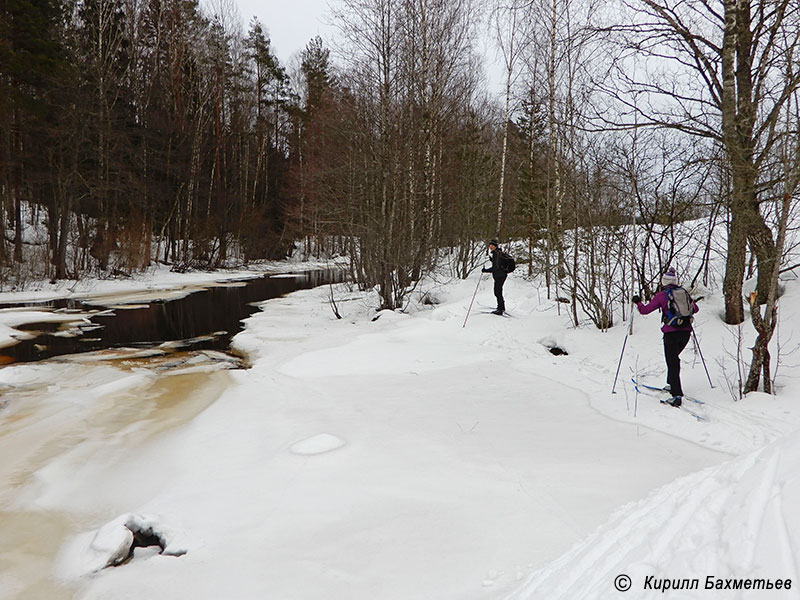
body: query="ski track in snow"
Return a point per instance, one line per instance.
(725, 521)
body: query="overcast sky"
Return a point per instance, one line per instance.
(290, 23)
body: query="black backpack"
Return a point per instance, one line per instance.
(507, 262)
(680, 307)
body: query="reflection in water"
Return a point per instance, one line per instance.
(205, 319)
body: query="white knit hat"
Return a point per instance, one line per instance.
(669, 278)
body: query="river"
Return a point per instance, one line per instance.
(126, 369)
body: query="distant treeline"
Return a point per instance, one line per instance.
(140, 130)
(128, 122)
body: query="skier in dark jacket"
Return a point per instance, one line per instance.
(498, 274)
(675, 338)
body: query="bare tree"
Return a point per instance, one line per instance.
(721, 71)
(787, 190)
(408, 68)
(560, 57)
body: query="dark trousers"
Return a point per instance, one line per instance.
(674, 343)
(499, 280)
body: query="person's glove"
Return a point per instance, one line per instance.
(636, 299)
(486, 270)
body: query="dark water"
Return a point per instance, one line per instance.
(204, 320)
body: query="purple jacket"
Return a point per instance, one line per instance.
(660, 301)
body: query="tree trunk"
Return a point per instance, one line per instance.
(766, 324)
(61, 254)
(760, 349)
(16, 193)
(558, 194)
(507, 117)
(734, 271)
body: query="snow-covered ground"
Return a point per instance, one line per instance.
(403, 457)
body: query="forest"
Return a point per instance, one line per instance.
(142, 131)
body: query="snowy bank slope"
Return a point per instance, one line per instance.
(733, 522)
(407, 457)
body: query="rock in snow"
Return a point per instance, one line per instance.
(114, 543)
(111, 544)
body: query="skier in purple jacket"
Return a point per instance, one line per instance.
(675, 338)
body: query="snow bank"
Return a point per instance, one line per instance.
(114, 544)
(12, 318)
(157, 282)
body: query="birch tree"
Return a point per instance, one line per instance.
(513, 33)
(559, 60)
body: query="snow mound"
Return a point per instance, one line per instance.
(414, 346)
(736, 521)
(114, 543)
(319, 444)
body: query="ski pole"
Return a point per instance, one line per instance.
(621, 354)
(480, 276)
(703, 360)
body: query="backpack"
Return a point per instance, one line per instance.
(507, 262)
(680, 308)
